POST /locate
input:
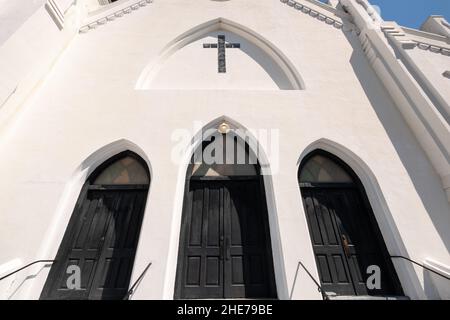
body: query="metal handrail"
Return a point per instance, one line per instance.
(420, 265)
(24, 267)
(319, 287)
(137, 282)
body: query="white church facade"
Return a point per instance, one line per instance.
(173, 149)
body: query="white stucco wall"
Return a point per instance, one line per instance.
(89, 101)
(14, 13)
(434, 66)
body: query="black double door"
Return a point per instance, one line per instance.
(101, 241)
(346, 241)
(225, 249)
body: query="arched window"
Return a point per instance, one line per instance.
(101, 238)
(124, 171)
(322, 169)
(224, 155)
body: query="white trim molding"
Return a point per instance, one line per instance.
(110, 15)
(55, 12)
(319, 14)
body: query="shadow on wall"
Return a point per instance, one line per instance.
(194, 77)
(269, 66)
(270, 53)
(413, 158)
(435, 286)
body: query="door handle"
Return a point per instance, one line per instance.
(227, 249)
(221, 248)
(346, 246)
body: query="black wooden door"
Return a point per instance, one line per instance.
(101, 240)
(225, 249)
(346, 240)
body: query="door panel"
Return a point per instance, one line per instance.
(101, 239)
(227, 257)
(330, 257)
(248, 268)
(203, 224)
(119, 247)
(345, 241)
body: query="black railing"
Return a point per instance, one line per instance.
(24, 267)
(420, 265)
(137, 282)
(319, 287)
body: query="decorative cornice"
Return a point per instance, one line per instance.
(114, 15)
(433, 48)
(396, 33)
(314, 13)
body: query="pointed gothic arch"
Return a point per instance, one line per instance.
(280, 60)
(370, 184)
(225, 247)
(267, 192)
(100, 242)
(347, 242)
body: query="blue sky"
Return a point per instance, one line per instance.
(412, 13)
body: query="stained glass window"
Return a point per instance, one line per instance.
(225, 155)
(124, 171)
(322, 169)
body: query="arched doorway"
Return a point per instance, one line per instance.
(347, 243)
(225, 246)
(101, 239)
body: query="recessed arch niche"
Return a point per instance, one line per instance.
(225, 247)
(100, 241)
(347, 242)
(185, 64)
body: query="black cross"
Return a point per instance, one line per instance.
(221, 45)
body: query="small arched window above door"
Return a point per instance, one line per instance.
(321, 169)
(224, 155)
(124, 171)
